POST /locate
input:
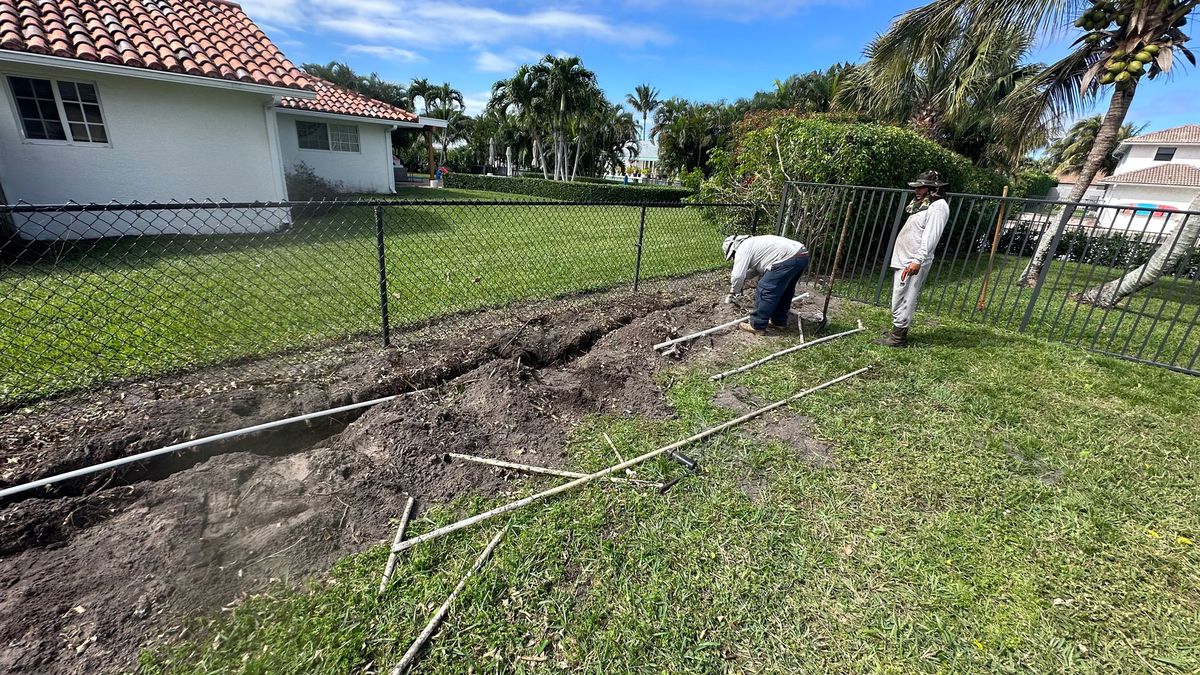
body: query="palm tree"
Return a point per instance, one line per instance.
(1069, 153)
(1121, 43)
(567, 84)
(420, 88)
(644, 99)
(967, 95)
(523, 99)
(667, 111)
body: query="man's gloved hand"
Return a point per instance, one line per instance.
(732, 298)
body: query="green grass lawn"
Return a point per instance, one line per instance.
(1154, 324)
(134, 307)
(998, 504)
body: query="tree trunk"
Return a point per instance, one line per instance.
(1178, 243)
(538, 154)
(491, 153)
(508, 158)
(575, 168)
(1106, 141)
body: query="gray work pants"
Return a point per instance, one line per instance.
(904, 296)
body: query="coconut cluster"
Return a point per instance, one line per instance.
(1124, 67)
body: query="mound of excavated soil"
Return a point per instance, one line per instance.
(93, 570)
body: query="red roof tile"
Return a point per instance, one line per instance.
(334, 99)
(1188, 133)
(1171, 173)
(211, 38)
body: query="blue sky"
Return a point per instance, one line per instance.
(696, 49)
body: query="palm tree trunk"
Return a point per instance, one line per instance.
(491, 153)
(538, 154)
(1106, 140)
(575, 168)
(1179, 243)
(508, 158)
(643, 125)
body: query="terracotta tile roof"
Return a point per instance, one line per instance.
(334, 99)
(1171, 173)
(209, 38)
(1188, 133)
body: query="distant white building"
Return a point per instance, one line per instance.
(1157, 173)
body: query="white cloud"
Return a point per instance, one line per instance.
(476, 102)
(386, 52)
(506, 62)
(741, 11)
(448, 24)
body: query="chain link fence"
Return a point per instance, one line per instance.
(96, 293)
(985, 266)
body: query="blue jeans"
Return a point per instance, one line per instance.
(773, 298)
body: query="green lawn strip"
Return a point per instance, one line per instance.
(998, 504)
(139, 308)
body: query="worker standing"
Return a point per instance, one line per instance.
(780, 261)
(912, 255)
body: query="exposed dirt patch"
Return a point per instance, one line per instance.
(793, 431)
(94, 571)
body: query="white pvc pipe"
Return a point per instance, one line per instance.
(190, 444)
(714, 329)
(525, 501)
(789, 350)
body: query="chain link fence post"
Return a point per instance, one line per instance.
(754, 222)
(637, 263)
(383, 291)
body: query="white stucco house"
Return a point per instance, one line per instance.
(172, 100)
(1157, 174)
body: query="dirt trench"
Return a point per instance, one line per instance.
(93, 573)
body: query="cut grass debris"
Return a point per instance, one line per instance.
(994, 503)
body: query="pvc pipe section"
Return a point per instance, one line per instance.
(77, 473)
(693, 336)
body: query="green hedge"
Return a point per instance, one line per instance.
(1032, 184)
(568, 191)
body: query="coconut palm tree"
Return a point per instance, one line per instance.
(644, 99)
(1122, 41)
(522, 97)
(966, 95)
(1069, 153)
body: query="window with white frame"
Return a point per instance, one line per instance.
(58, 110)
(321, 136)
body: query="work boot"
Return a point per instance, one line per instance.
(776, 326)
(746, 326)
(898, 337)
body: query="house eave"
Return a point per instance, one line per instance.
(300, 112)
(1157, 185)
(25, 58)
(432, 122)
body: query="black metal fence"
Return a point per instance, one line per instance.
(983, 271)
(89, 294)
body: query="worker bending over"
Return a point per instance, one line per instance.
(780, 261)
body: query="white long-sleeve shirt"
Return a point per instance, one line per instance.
(760, 254)
(920, 234)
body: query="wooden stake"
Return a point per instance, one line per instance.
(789, 350)
(513, 506)
(614, 448)
(545, 470)
(391, 561)
(837, 257)
(992, 257)
(407, 660)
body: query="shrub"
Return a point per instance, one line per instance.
(1032, 184)
(568, 191)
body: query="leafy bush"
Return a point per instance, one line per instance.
(1032, 184)
(568, 191)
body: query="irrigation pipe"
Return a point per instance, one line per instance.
(513, 506)
(95, 468)
(789, 350)
(541, 469)
(411, 654)
(714, 329)
(391, 561)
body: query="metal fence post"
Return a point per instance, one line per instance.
(637, 263)
(886, 264)
(783, 200)
(754, 221)
(383, 292)
(1037, 289)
